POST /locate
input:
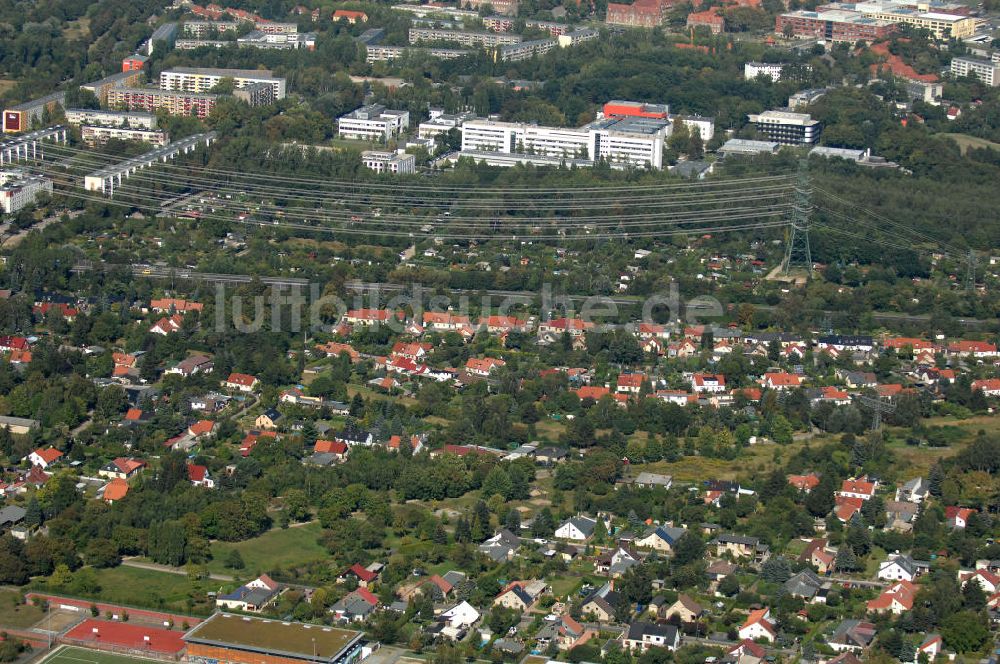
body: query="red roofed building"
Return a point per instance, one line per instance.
(637, 109)
(895, 65)
(987, 580)
(350, 16)
(170, 305)
(66, 311)
(364, 576)
(500, 324)
(702, 382)
(895, 599)
(250, 440)
(860, 488)
(199, 476)
(804, 483)
(780, 381)
(710, 18)
(166, 326)
(916, 345)
(368, 316)
(443, 321)
(44, 458)
(483, 366)
(989, 386)
(115, 490)
(630, 383)
(334, 349)
(9, 343)
(241, 382)
(972, 348)
(202, 428)
(758, 626)
(123, 468)
(116, 636)
(846, 507)
(574, 326)
(958, 517)
(639, 14)
(591, 392)
(334, 447)
(411, 351)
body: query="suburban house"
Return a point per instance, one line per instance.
(192, 365)
(781, 381)
(565, 632)
(355, 605)
(579, 528)
(958, 517)
(520, 595)
(702, 382)
(686, 609)
(114, 491)
(897, 567)
(646, 480)
(858, 488)
(896, 599)
(252, 597)
(758, 625)
(601, 604)
(453, 623)
(641, 636)
(241, 382)
(737, 546)
(44, 458)
(853, 635)
(268, 419)
(501, 546)
(482, 366)
(804, 483)
(661, 538)
(199, 476)
(365, 576)
(122, 468)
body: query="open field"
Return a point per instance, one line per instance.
(286, 547)
(133, 586)
(15, 614)
(965, 142)
(74, 655)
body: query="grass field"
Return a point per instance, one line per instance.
(965, 142)
(15, 614)
(133, 586)
(74, 655)
(276, 548)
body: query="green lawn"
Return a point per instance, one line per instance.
(14, 613)
(133, 586)
(280, 548)
(74, 655)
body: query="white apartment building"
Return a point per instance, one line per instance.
(372, 123)
(984, 70)
(98, 135)
(18, 189)
(194, 79)
(622, 142)
(97, 118)
(772, 70)
(705, 126)
(389, 162)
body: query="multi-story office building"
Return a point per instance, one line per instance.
(984, 70)
(97, 118)
(169, 101)
(621, 142)
(635, 109)
(372, 123)
(18, 189)
(98, 135)
(463, 37)
(834, 25)
(704, 126)
(772, 70)
(193, 79)
(786, 127)
(389, 162)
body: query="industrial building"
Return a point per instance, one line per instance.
(19, 189)
(98, 118)
(231, 639)
(106, 179)
(20, 118)
(742, 146)
(389, 162)
(834, 25)
(622, 142)
(786, 127)
(984, 70)
(98, 135)
(463, 37)
(372, 123)
(202, 80)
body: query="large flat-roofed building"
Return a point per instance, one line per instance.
(19, 118)
(165, 34)
(372, 123)
(463, 37)
(195, 79)
(98, 118)
(200, 29)
(19, 189)
(505, 7)
(230, 639)
(170, 101)
(834, 25)
(389, 162)
(742, 146)
(939, 23)
(635, 109)
(622, 142)
(786, 127)
(377, 53)
(984, 70)
(525, 50)
(441, 122)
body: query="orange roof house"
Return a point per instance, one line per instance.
(115, 490)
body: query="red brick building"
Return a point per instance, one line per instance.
(837, 25)
(639, 14)
(710, 18)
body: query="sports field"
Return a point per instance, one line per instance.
(74, 655)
